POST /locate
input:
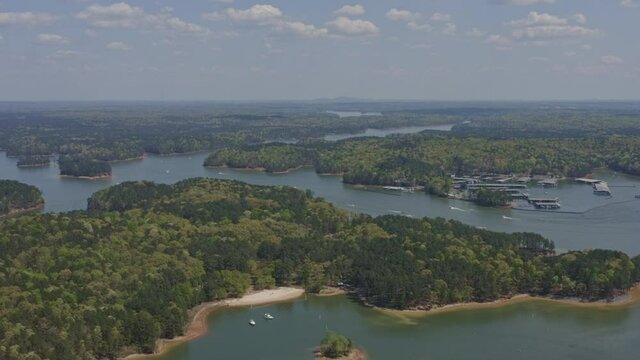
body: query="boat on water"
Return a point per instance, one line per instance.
(268, 316)
(252, 322)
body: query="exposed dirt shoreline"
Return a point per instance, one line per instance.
(200, 314)
(630, 298)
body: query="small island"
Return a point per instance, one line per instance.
(336, 346)
(33, 161)
(16, 197)
(83, 167)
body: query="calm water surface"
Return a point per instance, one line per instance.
(534, 330)
(605, 222)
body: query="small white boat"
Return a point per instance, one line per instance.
(268, 316)
(252, 322)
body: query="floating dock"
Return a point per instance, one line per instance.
(545, 203)
(601, 188)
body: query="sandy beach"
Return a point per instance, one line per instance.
(198, 325)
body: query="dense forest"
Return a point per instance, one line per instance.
(79, 166)
(33, 161)
(110, 280)
(16, 196)
(428, 160)
(118, 131)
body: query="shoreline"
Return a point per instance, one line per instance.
(257, 169)
(198, 325)
(86, 177)
(631, 297)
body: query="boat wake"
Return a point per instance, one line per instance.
(508, 218)
(457, 209)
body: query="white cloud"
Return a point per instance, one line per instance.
(449, 29)
(26, 18)
(438, 17)
(539, 28)
(119, 46)
(346, 26)
(51, 39)
(124, 16)
(402, 15)
(268, 16)
(256, 13)
(536, 19)
(539, 59)
(630, 3)
(611, 60)
(301, 29)
(419, 27)
(499, 41)
(350, 10)
(580, 18)
(553, 32)
(586, 47)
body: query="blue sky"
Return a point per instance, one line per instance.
(305, 49)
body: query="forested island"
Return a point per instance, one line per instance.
(83, 167)
(109, 281)
(16, 197)
(428, 160)
(33, 161)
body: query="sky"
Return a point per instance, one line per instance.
(309, 49)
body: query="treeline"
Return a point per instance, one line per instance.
(33, 161)
(427, 159)
(79, 166)
(16, 196)
(109, 281)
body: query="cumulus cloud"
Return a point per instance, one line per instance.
(402, 15)
(536, 19)
(630, 3)
(543, 28)
(421, 22)
(124, 16)
(118, 46)
(580, 18)
(346, 26)
(269, 16)
(611, 60)
(499, 41)
(51, 39)
(26, 18)
(449, 29)
(350, 10)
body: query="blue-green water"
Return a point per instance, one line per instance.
(534, 330)
(605, 222)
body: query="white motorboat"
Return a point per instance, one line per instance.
(252, 322)
(268, 316)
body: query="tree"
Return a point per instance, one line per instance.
(334, 345)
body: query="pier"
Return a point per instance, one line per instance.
(545, 203)
(601, 188)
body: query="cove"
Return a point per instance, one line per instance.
(528, 330)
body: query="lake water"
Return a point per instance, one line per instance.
(533, 330)
(604, 222)
(386, 132)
